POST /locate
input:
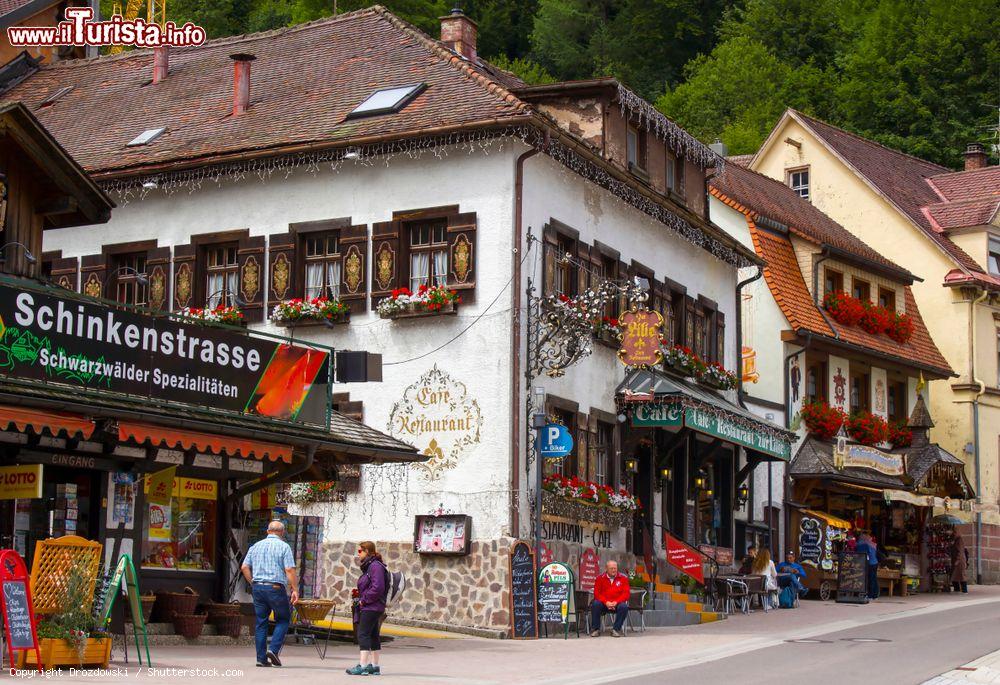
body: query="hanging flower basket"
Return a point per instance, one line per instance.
(316, 311)
(404, 304)
(308, 493)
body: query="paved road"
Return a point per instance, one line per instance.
(902, 651)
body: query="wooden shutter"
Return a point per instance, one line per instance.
(462, 255)
(250, 258)
(158, 273)
(550, 249)
(184, 276)
(689, 316)
(720, 337)
(354, 267)
(389, 268)
(283, 280)
(582, 267)
(581, 447)
(93, 270)
(64, 272)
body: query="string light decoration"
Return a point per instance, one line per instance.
(677, 139)
(482, 141)
(566, 326)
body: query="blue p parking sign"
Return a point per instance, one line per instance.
(555, 441)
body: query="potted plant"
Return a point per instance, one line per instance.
(608, 329)
(403, 303)
(314, 311)
(231, 316)
(72, 636)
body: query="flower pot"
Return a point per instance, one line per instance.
(57, 652)
(413, 311)
(189, 625)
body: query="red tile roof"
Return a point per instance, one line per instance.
(778, 202)
(967, 185)
(951, 215)
(304, 82)
(7, 6)
(900, 178)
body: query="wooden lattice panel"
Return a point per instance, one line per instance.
(54, 559)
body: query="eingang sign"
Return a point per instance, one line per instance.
(47, 337)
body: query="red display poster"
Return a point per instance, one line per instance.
(546, 557)
(15, 602)
(590, 568)
(683, 558)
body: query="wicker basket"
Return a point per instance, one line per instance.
(189, 625)
(171, 604)
(314, 609)
(228, 624)
(214, 609)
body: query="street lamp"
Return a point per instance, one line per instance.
(666, 475)
(742, 495)
(632, 465)
(699, 481)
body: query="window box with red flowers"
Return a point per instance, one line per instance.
(684, 361)
(608, 329)
(231, 316)
(900, 435)
(843, 307)
(867, 428)
(871, 318)
(582, 500)
(312, 312)
(821, 420)
(716, 376)
(427, 301)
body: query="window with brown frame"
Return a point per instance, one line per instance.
(860, 385)
(609, 272)
(670, 172)
(636, 148)
(896, 400)
(887, 298)
(702, 335)
(129, 269)
(221, 275)
(428, 253)
(816, 382)
(566, 269)
(833, 280)
(322, 265)
(861, 289)
(603, 448)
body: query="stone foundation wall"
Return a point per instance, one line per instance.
(470, 591)
(991, 552)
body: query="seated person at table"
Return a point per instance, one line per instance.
(747, 564)
(611, 593)
(795, 570)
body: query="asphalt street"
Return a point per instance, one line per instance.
(902, 651)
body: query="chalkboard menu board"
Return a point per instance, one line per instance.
(17, 614)
(852, 578)
(555, 584)
(523, 610)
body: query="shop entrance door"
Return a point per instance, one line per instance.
(70, 505)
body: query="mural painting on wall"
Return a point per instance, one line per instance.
(748, 355)
(879, 396)
(439, 418)
(795, 391)
(839, 389)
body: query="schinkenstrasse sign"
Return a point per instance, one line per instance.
(710, 424)
(45, 336)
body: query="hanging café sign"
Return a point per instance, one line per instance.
(640, 345)
(716, 425)
(63, 339)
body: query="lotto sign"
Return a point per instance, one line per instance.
(21, 482)
(555, 441)
(159, 523)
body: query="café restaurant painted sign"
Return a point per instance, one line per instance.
(863, 457)
(73, 341)
(640, 345)
(659, 415)
(439, 418)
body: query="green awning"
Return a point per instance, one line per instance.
(660, 399)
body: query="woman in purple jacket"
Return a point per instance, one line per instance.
(371, 595)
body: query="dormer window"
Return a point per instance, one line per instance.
(636, 148)
(798, 180)
(833, 281)
(994, 257)
(862, 290)
(887, 298)
(387, 101)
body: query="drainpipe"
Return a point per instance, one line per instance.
(515, 348)
(824, 255)
(739, 367)
(975, 429)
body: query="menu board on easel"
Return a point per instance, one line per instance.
(449, 534)
(852, 578)
(16, 608)
(523, 609)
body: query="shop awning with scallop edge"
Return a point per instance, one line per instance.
(39, 420)
(203, 442)
(829, 519)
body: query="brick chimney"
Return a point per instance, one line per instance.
(458, 32)
(241, 82)
(975, 156)
(161, 62)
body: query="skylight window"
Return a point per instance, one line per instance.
(147, 136)
(387, 100)
(55, 95)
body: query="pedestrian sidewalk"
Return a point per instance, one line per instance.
(985, 669)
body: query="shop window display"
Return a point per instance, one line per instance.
(181, 535)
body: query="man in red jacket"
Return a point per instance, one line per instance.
(611, 592)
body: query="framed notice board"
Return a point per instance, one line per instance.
(555, 595)
(20, 626)
(852, 578)
(523, 589)
(448, 534)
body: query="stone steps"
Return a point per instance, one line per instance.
(163, 635)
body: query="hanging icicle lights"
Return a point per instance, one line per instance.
(469, 142)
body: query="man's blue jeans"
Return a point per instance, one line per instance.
(267, 598)
(598, 609)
